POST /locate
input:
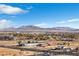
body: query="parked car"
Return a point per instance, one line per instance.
(43, 54)
(60, 47)
(67, 49)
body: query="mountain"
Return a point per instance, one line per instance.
(23, 28)
(36, 28)
(29, 27)
(64, 28)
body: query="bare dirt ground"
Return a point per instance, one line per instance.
(12, 52)
(15, 52)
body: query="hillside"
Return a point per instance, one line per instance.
(35, 28)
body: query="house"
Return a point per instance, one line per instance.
(67, 39)
(6, 37)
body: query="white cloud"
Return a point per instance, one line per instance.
(4, 23)
(73, 20)
(68, 21)
(43, 25)
(6, 9)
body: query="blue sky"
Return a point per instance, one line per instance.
(42, 15)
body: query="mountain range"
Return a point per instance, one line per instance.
(36, 28)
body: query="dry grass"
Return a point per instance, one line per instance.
(13, 52)
(8, 43)
(53, 44)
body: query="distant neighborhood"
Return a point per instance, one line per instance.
(49, 43)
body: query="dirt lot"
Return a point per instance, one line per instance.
(12, 52)
(8, 43)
